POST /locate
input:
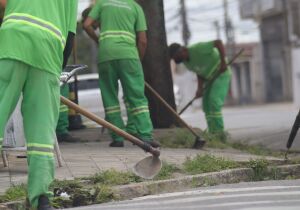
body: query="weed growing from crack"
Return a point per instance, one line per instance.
(260, 169)
(207, 182)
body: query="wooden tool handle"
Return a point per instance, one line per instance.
(178, 118)
(108, 125)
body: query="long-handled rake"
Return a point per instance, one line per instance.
(199, 143)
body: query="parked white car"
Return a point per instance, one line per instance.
(89, 94)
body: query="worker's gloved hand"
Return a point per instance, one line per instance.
(199, 93)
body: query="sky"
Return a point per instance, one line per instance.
(201, 15)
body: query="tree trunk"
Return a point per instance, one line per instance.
(157, 64)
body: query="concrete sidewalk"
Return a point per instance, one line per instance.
(85, 159)
(267, 124)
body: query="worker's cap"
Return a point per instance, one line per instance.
(174, 49)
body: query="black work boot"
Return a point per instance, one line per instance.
(44, 203)
(66, 137)
(117, 144)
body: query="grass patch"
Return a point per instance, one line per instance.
(207, 163)
(183, 138)
(167, 171)
(215, 144)
(259, 150)
(113, 177)
(14, 193)
(180, 138)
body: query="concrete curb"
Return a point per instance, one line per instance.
(181, 184)
(188, 182)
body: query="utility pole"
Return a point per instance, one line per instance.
(186, 34)
(229, 31)
(218, 28)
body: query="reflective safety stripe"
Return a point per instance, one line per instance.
(214, 115)
(48, 154)
(118, 34)
(38, 23)
(139, 110)
(40, 149)
(40, 145)
(112, 109)
(63, 108)
(115, 3)
(113, 112)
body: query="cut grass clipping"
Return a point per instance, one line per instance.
(14, 193)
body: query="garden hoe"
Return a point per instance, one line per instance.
(199, 143)
(211, 81)
(147, 168)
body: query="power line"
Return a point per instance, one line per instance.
(209, 9)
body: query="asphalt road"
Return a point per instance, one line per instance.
(272, 195)
(268, 124)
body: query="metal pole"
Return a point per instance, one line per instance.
(186, 33)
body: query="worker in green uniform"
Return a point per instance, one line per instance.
(62, 129)
(122, 44)
(206, 59)
(2, 10)
(62, 132)
(34, 38)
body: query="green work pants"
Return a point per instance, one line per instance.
(63, 121)
(40, 108)
(130, 73)
(213, 102)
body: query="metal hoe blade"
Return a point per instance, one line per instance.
(148, 168)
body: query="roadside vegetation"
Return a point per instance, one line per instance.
(182, 138)
(99, 188)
